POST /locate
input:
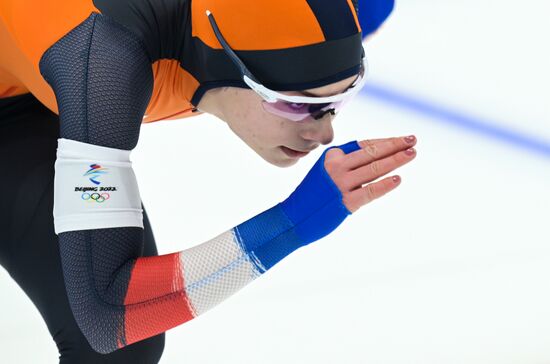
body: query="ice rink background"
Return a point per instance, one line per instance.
(451, 267)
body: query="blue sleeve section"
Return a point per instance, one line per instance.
(311, 212)
(372, 13)
(267, 238)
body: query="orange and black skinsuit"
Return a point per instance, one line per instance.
(106, 66)
(285, 44)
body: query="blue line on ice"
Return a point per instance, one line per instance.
(486, 128)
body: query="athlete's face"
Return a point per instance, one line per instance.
(269, 135)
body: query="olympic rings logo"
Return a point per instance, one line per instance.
(95, 197)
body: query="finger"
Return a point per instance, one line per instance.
(378, 168)
(374, 149)
(355, 199)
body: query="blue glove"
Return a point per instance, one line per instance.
(311, 212)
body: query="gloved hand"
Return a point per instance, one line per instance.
(332, 190)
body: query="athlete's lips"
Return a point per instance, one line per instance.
(294, 153)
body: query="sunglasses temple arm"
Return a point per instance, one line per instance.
(228, 49)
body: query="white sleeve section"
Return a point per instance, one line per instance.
(94, 188)
(215, 270)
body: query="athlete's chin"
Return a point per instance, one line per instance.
(286, 163)
(280, 161)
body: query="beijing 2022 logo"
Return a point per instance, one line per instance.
(95, 172)
(91, 194)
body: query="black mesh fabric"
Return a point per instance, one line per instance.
(103, 82)
(112, 248)
(101, 323)
(119, 86)
(102, 79)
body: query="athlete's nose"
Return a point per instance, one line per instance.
(320, 131)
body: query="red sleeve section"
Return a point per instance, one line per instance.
(156, 300)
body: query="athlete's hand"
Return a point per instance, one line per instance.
(376, 158)
(333, 188)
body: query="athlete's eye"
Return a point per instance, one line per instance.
(295, 106)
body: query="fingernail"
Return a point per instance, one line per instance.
(409, 139)
(396, 179)
(410, 151)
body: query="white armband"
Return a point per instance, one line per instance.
(94, 188)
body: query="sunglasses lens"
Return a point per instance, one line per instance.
(315, 108)
(320, 110)
(287, 110)
(299, 112)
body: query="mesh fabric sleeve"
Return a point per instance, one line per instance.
(102, 79)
